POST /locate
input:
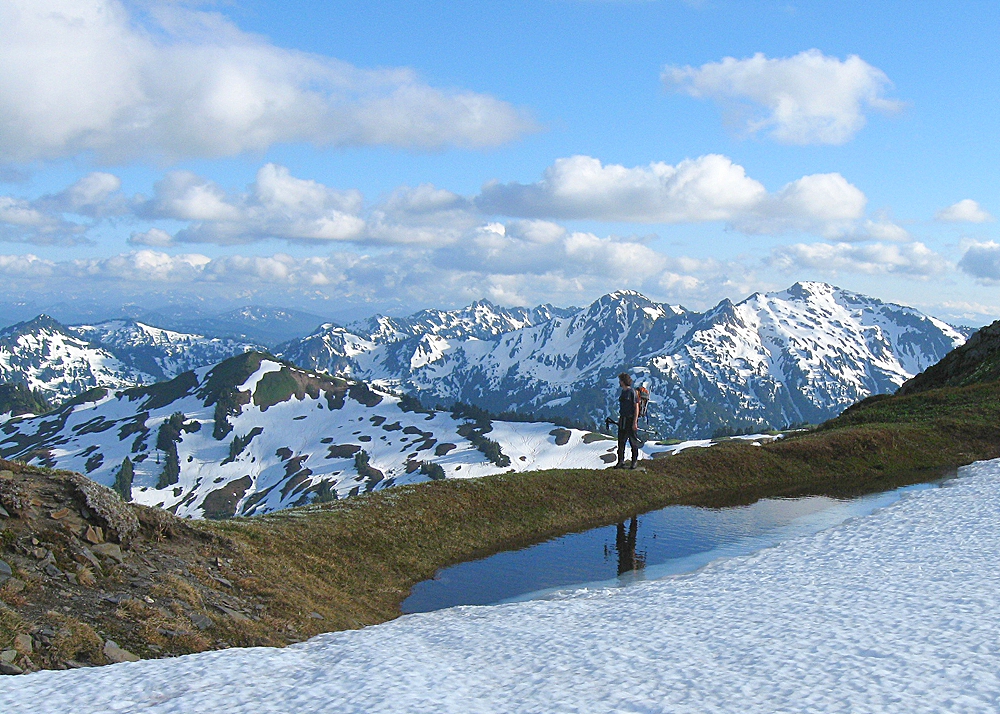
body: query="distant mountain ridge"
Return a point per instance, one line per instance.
(482, 320)
(799, 355)
(259, 325)
(62, 361)
(771, 360)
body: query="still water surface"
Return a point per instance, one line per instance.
(673, 540)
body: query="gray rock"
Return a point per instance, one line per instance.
(200, 621)
(52, 570)
(315, 616)
(6, 668)
(109, 550)
(5, 572)
(3, 512)
(234, 614)
(106, 504)
(8, 656)
(89, 556)
(117, 655)
(118, 598)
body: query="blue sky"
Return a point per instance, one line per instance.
(348, 157)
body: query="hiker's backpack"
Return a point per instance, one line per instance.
(642, 400)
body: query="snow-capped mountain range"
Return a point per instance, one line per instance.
(62, 361)
(775, 359)
(800, 355)
(252, 435)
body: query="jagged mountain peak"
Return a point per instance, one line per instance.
(627, 302)
(41, 322)
(328, 327)
(625, 296)
(481, 319)
(805, 289)
(61, 361)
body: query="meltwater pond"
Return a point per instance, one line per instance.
(671, 541)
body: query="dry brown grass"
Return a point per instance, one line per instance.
(165, 627)
(10, 625)
(75, 640)
(174, 587)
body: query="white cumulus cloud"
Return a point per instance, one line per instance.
(913, 259)
(90, 77)
(982, 261)
(965, 211)
(824, 203)
(538, 247)
(43, 220)
(23, 221)
(810, 98)
(154, 237)
(277, 205)
(422, 215)
(709, 188)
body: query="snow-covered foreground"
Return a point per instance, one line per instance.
(898, 611)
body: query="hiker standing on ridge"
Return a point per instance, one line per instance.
(628, 421)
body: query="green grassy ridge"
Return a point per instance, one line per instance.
(355, 561)
(977, 361)
(975, 404)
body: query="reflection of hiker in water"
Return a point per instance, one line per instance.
(628, 420)
(628, 560)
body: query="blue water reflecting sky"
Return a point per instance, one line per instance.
(673, 540)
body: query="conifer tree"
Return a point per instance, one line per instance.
(123, 481)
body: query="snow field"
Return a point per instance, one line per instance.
(895, 612)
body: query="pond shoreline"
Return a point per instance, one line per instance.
(354, 562)
(666, 542)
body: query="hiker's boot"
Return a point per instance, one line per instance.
(619, 465)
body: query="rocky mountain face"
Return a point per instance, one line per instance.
(90, 580)
(161, 354)
(47, 356)
(252, 435)
(800, 355)
(407, 342)
(60, 361)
